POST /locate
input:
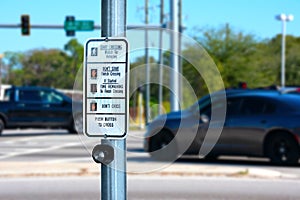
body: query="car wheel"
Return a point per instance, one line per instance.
(282, 149)
(2, 126)
(162, 146)
(77, 124)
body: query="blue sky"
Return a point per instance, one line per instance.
(255, 17)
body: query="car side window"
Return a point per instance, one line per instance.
(269, 108)
(29, 96)
(233, 106)
(256, 106)
(7, 95)
(51, 97)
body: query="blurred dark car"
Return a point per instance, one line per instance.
(39, 107)
(260, 123)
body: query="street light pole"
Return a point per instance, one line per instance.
(284, 18)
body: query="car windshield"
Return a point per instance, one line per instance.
(201, 103)
(205, 101)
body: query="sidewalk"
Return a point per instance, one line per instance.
(39, 169)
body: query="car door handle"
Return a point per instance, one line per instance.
(46, 105)
(21, 105)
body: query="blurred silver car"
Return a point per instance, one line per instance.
(260, 123)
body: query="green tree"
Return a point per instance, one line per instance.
(14, 60)
(75, 53)
(75, 50)
(44, 68)
(292, 61)
(232, 52)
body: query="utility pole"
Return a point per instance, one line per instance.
(174, 76)
(160, 89)
(147, 65)
(113, 175)
(180, 30)
(1, 56)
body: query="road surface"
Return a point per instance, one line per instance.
(57, 146)
(152, 188)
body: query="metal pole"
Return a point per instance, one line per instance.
(147, 66)
(160, 89)
(283, 54)
(174, 78)
(179, 47)
(1, 56)
(113, 181)
(141, 110)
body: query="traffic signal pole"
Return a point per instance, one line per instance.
(113, 175)
(147, 99)
(174, 74)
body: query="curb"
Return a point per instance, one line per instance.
(39, 169)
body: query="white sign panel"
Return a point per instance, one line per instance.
(106, 82)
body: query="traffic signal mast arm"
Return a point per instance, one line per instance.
(69, 27)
